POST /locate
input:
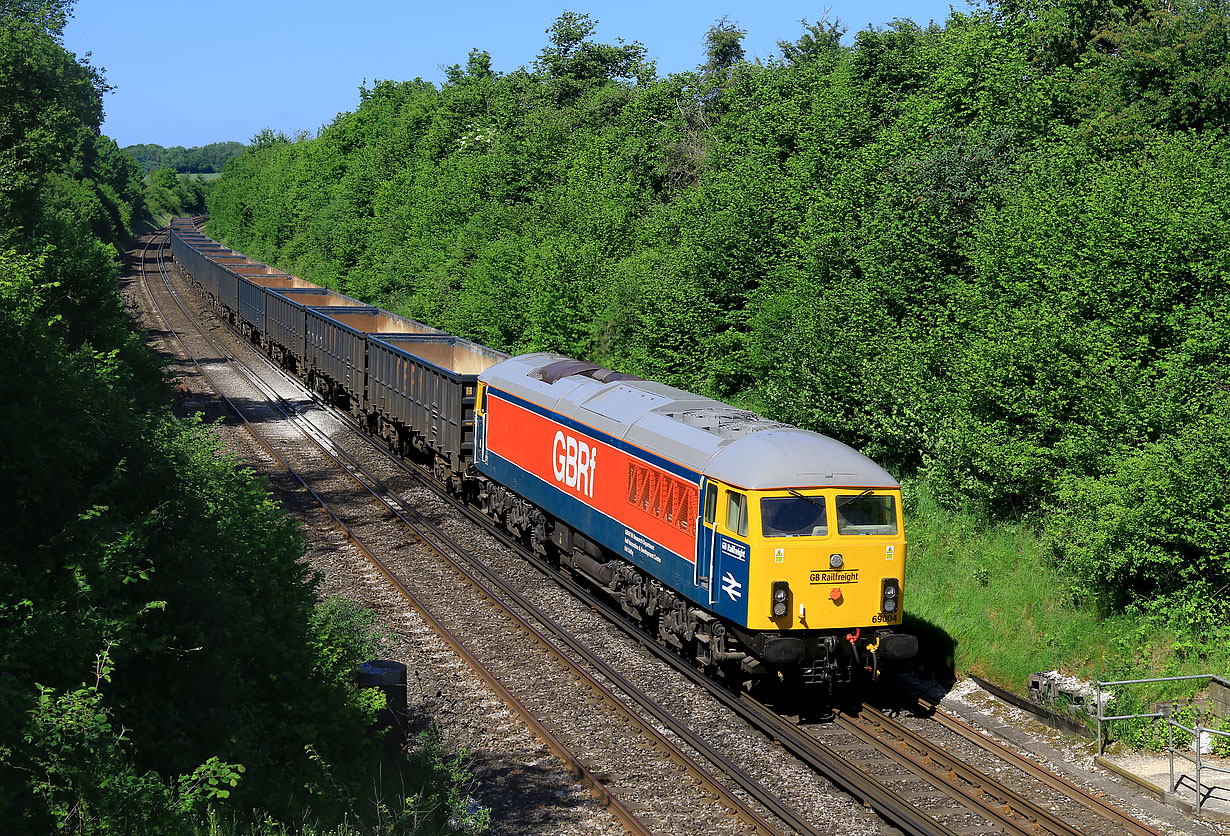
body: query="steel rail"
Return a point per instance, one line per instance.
(895, 808)
(892, 806)
(380, 492)
(770, 801)
(746, 781)
(962, 783)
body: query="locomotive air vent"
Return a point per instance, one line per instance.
(563, 368)
(705, 419)
(755, 424)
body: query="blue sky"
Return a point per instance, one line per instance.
(190, 74)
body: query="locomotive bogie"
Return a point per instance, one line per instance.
(614, 462)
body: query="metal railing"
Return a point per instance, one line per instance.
(1197, 730)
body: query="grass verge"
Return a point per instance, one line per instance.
(984, 598)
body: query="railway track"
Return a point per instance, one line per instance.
(924, 771)
(1095, 812)
(911, 782)
(267, 415)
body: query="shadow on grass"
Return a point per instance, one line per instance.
(937, 650)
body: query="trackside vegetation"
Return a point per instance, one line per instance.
(992, 254)
(169, 195)
(198, 160)
(177, 178)
(165, 666)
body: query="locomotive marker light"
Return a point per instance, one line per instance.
(781, 599)
(889, 595)
(835, 561)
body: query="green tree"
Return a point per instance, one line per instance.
(723, 46)
(820, 41)
(574, 64)
(985, 253)
(130, 546)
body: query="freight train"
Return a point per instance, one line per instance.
(753, 548)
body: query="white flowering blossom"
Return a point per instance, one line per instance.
(477, 138)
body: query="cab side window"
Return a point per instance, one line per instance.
(710, 503)
(736, 513)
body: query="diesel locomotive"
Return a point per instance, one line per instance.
(755, 548)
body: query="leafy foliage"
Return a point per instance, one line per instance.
(49, 138)
(132, 550)
(874, 242)
(991, 254)
(174, 196)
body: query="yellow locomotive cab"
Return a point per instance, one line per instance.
(825, 559)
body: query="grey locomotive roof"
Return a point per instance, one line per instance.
(732, 445)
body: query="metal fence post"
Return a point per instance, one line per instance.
(1170, 748)
(1097, 696)
(1199, 794)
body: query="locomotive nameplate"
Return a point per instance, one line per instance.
(734, 549)
(832, 576)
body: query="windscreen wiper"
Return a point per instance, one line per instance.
(851, 499)
(810, 499)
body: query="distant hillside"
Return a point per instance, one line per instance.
(209, 158)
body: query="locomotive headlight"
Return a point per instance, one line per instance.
(835, 561)
(889, 593)
(781, 599)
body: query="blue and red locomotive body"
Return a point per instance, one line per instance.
(749, 545)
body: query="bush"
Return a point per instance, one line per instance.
(990, 255)
(1155, 531)
(130, 545)
(177, 196)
